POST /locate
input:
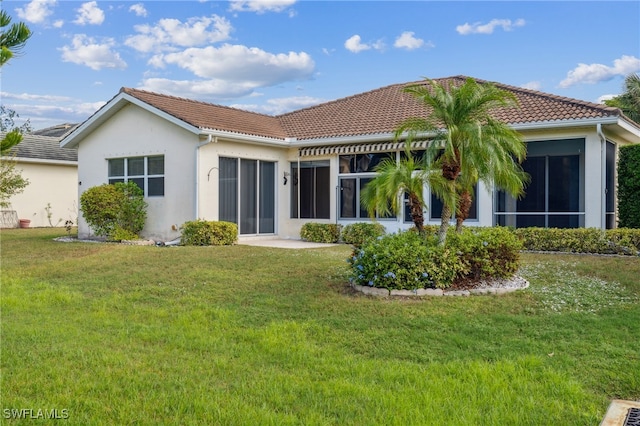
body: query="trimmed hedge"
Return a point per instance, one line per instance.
(581, 240)
(409, 261)
(320, 232)
(209, 233)
(629, 187)
(359, 233)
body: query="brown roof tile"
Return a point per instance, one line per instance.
(381, 110)
(210, 116)
(373, 112)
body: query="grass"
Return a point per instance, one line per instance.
(117, 334)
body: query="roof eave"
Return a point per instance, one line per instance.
(253, 139)
(51, 161)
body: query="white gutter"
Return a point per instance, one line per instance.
(257, 140)
(603, 176)
(210, 138)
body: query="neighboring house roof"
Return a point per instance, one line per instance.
(57, 131)
(376, 112)
(36, 147)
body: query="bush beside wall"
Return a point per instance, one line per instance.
(320, 232)
(360, 233)
(581, 240)
(209, 233)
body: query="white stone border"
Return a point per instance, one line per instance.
(484, 287)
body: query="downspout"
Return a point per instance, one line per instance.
(603, 176)
(209, 139)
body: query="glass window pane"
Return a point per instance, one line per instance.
(156, 186)
(348, 198)
(228, 190)
(135, 166)
(534, 198)
(248, 196)
(323, 193)
(116, 167)
(564, 185)
(139, 182)
(112, 181)
(267, 198)
(155, 165)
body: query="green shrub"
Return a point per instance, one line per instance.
(209, 233)
(487, 252)
(629, 187)
(580, 240)
(114, 210)
(320, 232)
(405, 260)
(361, 232)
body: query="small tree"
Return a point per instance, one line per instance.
(13, 37)
(468, 144)
(116, 211)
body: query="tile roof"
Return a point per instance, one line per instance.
(377, 111)
(43, 148)
(210, 116)
(57, 131)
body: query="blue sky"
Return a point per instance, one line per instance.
(273, 56)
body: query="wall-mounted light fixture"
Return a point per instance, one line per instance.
(286, 177)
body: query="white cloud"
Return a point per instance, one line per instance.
(96, 55)
(37, 11)
(279, 106)
(167, 34)
(355, 44)
(480, 28)
(408, 41)
(236, 63)
(603, 98)
(217, 89)
(260, 6)
(32, 97)
(138, 9)
(595, 73)
(89, 13)
(532, 85)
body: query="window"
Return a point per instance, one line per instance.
(311, 186)
(435, 208)
(146, 172)
(555, 196)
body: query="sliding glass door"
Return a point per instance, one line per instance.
(247, 194)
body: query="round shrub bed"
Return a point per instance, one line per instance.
(410, 261)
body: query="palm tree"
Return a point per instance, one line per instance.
(12, 38)
(382, 195)
(629, 101)
(467, 144)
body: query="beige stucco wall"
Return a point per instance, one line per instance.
(135, 132)
(51, 184)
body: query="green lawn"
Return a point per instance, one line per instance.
(116, 334)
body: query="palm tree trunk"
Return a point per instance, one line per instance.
(444, 224)
(464, 206)
(416, 213)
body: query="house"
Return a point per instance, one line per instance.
(51, 197)
(271, 174)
